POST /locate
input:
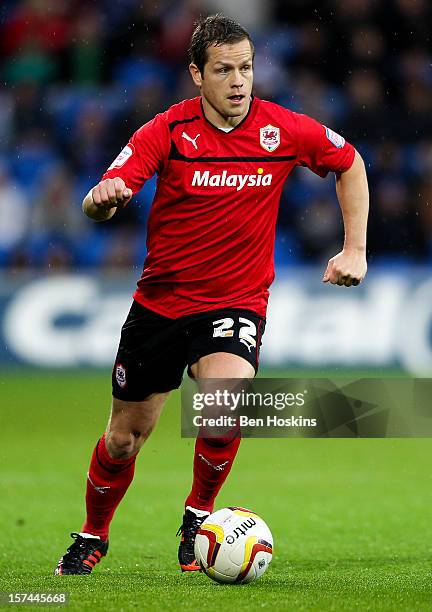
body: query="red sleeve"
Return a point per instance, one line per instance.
(321, 149)
(143, 156)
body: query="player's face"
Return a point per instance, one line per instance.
(226, 84)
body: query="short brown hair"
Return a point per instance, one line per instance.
(215, 30)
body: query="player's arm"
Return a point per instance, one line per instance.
(143, 156)
(349, 266)
(323, 151)
(102, 201)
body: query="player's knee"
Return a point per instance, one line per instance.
(122, 445)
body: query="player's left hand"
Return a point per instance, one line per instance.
(346, 268)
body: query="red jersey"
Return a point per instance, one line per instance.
(211, 229)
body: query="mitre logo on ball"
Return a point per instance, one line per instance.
(270, 138)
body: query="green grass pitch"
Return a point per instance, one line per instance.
(351, 519)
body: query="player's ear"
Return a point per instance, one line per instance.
(195, 74)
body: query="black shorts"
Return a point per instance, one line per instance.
(155, 350)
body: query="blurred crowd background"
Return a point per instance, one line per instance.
(79, 77)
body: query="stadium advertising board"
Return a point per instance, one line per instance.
(72, 321)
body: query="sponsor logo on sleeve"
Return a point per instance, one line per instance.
(123, 156)
(270, 137)
(335, 138)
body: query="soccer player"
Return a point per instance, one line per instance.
(222, 160)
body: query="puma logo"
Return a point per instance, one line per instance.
(192, 140)
(100, 490)
(218, 468)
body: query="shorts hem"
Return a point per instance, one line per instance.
(204, 353)
(145, 395)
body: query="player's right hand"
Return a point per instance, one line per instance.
(111, 193)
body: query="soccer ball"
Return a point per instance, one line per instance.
(233, 545)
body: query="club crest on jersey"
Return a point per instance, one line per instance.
(270, 138)
(123, 156)
(120, 374)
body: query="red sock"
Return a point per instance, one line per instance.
(107, 481)
(212, 463)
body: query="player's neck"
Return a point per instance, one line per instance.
(218, 120)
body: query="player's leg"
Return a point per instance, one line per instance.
(150, 362)
(225, 346)
(213, 456)
(111, 472)
(113, 461)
